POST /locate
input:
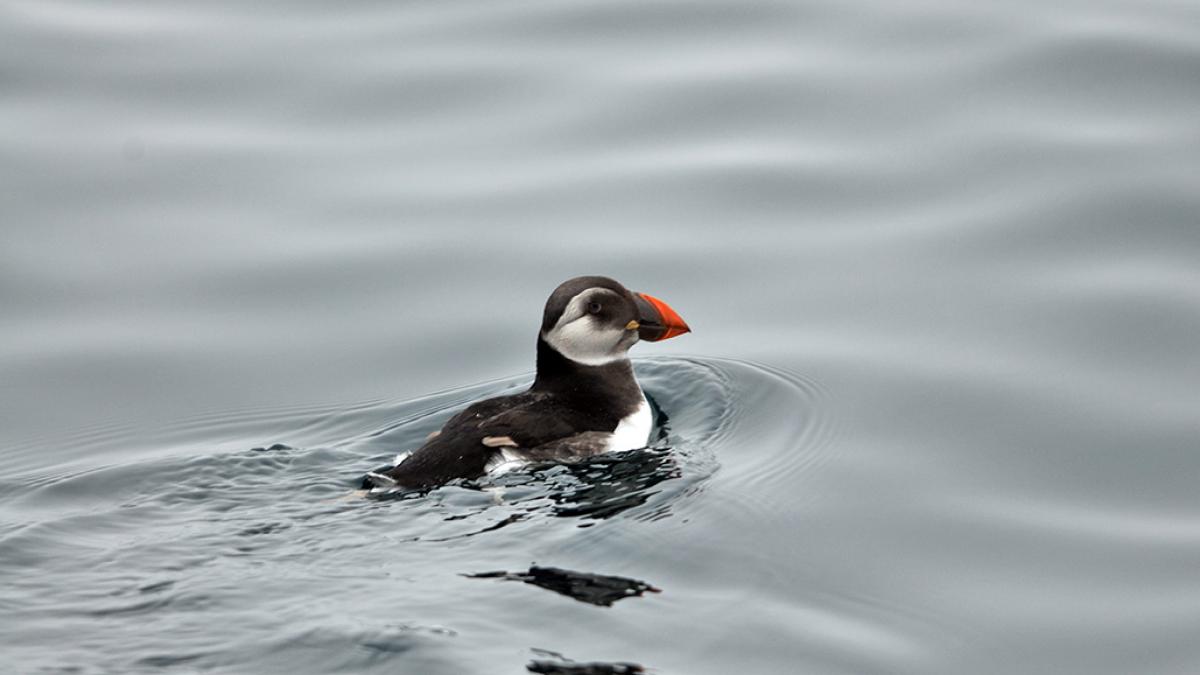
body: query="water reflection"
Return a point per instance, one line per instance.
(557, 664)
(595, 589)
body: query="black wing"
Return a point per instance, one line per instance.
(529, 419)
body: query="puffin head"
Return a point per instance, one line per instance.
(595, 320)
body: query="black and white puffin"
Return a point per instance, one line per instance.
(584, 400)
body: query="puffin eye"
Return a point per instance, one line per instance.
(593, 308)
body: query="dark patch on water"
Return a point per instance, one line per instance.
(275, 447)
(168, 660)
(595, 589)
(557, 664)
(556, 668)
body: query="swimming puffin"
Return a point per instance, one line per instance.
(584, 400)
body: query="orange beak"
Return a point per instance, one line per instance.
(656, 320)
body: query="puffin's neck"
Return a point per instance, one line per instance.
(560, 375)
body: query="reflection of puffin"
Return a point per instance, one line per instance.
(584, 400)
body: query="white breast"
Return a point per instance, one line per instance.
(633, 432)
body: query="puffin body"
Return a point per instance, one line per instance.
(584, 401)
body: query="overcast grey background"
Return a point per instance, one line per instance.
(975, 224)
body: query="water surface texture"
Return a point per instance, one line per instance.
(939, 413)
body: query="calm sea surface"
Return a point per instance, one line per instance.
(940, 413)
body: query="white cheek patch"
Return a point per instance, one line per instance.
(583, 342)
(578, 337)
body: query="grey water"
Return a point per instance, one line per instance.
(940, 412)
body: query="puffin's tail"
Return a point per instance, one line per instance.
(375, 479)
(379, 478)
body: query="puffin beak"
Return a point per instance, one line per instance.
(656, 320)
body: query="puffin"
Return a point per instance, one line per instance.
(584, 400)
